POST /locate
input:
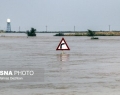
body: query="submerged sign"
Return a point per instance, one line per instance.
(63, 45)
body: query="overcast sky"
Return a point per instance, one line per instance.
(60, 15)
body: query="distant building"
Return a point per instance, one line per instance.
(8, 26)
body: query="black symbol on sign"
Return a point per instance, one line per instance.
(61, 45)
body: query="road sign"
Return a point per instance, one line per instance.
(63, 45)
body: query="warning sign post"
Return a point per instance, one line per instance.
(63, 45)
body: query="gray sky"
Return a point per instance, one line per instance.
(60, 14)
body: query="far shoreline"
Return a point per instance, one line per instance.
(72, 33)
(98, 33)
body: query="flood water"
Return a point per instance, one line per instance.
(91, 67)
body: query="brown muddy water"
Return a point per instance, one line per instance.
(91, 67)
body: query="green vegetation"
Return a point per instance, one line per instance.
(112, 33)
(97, 33)
(92, 34)
(59, 34)
(2, 31)
(31, 32)
(76, 34)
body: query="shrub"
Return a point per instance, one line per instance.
(90, 33)
(31, 32)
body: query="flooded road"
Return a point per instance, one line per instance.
(91, 67)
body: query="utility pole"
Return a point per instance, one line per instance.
(74, 28)
(109, 28)
(46, 28)
(19, 28)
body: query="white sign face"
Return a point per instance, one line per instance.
(8, 20)
(63, 45)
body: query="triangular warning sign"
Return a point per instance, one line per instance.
(63, 45)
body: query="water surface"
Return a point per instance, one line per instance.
(91, 67)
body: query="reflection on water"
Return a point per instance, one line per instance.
(63, 57)
(91, 67)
